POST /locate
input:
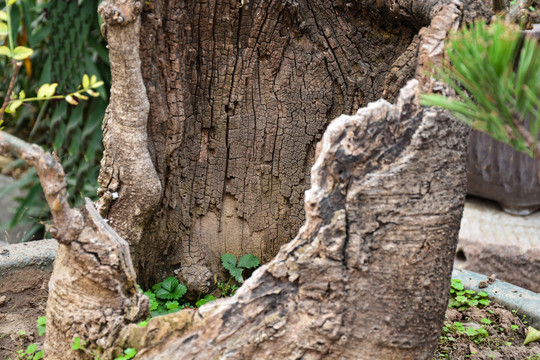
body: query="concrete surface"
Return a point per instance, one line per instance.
(34, 256)
(494, 242)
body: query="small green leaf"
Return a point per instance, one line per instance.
(80, 96)
(130, 353)
(236, 273)
(179, 291)
(228, 261)
(41, 325)
(22, 52)
(514, 327)
(456, 284)
(85, 81)
(98, 84)
(92, 93)
(11, 2)
(532, 335)
(205, 300)
(143, 323)
(3, 16)
(170, 283)
(153, 305)
(22, 94)
(171, 305)
(4, 50)
(31, 349)
(77, 345)
(38, 355)
(484, 302)
(46, 90)
(486, 321)
(13, 106)
(3, 29)
(482, 294)
(248, 261)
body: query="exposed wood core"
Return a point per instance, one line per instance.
(239, 97)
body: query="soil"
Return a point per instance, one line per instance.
(19, 310)
(505, 341)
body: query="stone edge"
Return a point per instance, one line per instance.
(39, 254)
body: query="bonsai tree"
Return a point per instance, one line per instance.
(197, 121)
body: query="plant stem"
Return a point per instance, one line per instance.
(528, 139)
(16, 67)
(10, 34)
(42, 99)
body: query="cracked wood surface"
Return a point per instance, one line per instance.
(239, 97)
(368, 273)
(92, 289)
(367, 276)
(130, 189)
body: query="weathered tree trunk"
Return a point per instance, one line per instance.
(366, 277)
(240, 92)
(92, 290)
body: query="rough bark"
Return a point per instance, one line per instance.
(92, 289)
(240, 93)
(130, 189)
(367, 276)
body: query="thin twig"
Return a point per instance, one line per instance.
(529, 139)
(67, 222)
(16, 67)
(525, 135)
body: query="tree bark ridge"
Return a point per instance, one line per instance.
(130, 188)
(379, 192)
(93, 291)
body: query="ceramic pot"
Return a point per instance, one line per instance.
(498, 172)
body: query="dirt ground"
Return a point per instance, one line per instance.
(506, 334)
(19, 310)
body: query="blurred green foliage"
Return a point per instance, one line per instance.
(67, 43)
(495, 73)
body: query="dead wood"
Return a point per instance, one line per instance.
(366, 276)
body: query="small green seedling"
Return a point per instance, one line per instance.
(463, 299)
(129, 353)
(169, 289)
(78, 344)
(248, 261)
(31, 353)
(41, 325)
(165, 297)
